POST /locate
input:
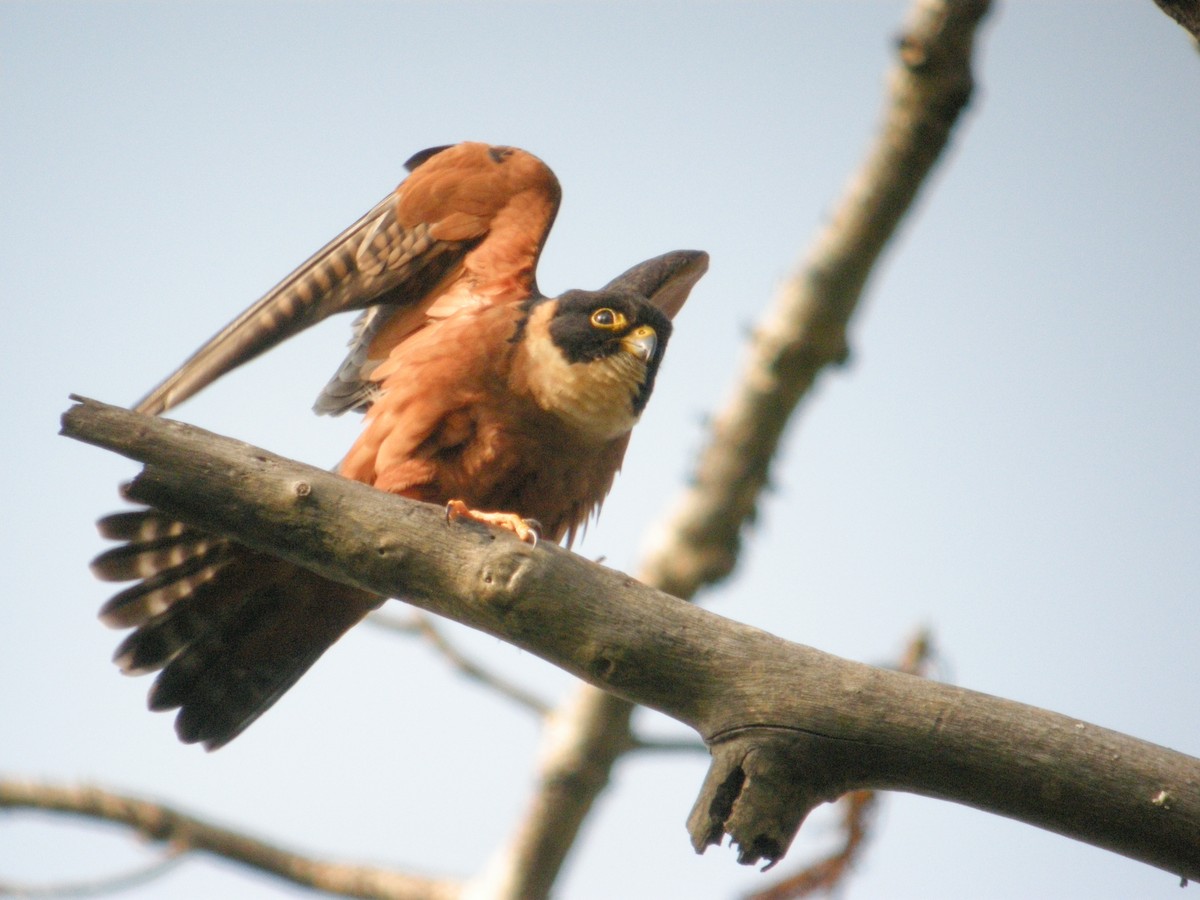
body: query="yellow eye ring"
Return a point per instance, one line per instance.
(608, 319)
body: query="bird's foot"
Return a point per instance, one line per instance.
(528, 530)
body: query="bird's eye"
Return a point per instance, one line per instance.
(608, 319)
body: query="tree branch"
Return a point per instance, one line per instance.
(183, 832)
(857, 808)
(1185, 12)
(789, 727)
(421, 624)
(93, 887)
(827, 874)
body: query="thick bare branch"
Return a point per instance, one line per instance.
(183, 832)
(858, 808)
(789, 727)
(802, 334)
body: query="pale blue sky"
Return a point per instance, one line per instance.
(1011, 458)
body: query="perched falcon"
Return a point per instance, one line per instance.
(479, 393)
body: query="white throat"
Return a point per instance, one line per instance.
(594, 398)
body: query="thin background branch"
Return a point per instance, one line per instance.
(101, 885)
(419, 623)
(182, 832)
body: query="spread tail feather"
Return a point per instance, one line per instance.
(231, 629)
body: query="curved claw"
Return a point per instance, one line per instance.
(535, 531)
(527, 530)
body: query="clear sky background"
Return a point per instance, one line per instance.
(1011, 458)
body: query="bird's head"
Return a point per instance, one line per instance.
(593, 357)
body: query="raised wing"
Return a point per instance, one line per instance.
(404, 252)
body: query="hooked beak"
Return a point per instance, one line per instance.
(641, 342)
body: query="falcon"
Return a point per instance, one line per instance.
(479, 393)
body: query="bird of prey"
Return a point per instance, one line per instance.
(479, 393)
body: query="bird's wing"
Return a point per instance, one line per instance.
(400, 254)
(511, 195)
(373, 256)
